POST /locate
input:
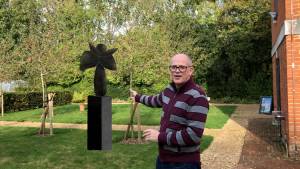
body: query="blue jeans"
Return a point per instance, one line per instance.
(165, 165)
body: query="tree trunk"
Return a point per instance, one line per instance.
(43, 88)
(2, 101)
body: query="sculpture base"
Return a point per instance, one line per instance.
(99, 123)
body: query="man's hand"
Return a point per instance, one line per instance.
(132, 94)
(151, 135)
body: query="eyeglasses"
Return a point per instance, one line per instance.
(181, 68)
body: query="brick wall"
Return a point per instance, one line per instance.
(280, 19)
(281, 54)
(293, 90)
(289, 56)
(284, 13)
(292, 11)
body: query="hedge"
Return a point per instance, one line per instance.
(18, 101)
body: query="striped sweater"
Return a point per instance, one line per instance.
(184, 113)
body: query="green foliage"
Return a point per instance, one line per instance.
(118, 92)
(229, 44)
(85, 87)
(16, 17)
(242, 64)
(78, 97)
(235, 100)
(25, 101)
(144, 53)
(22, 101)
(45, 38)
(14, 26)
(62, 97)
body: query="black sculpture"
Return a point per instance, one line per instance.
(101, 58)
(99, 121)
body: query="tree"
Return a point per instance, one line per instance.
(49, 54)
(229, 43)
(14, 25)
(242, 66)
(142, 49)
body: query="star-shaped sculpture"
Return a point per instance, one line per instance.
(100, 58)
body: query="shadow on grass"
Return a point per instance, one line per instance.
(218, 115)
(226, 110)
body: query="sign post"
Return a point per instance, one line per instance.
(266, 105)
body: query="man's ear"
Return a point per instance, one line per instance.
(191, 70)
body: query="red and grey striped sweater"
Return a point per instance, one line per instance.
(184, 113)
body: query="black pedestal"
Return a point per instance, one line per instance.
(99, 127)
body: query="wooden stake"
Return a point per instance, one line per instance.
(2, 102)
(138, 117)
(44, 116)
(45, 106)
(130, 124)
(50, 105)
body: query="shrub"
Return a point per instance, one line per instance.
(17, 101)
(63, 97)
(78, 97)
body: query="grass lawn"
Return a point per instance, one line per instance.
(217, 116)
(62, 114)
(22, 148)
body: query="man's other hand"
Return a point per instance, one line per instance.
(151, 135)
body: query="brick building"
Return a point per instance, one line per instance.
(286, 69)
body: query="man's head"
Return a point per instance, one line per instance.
(181, 69)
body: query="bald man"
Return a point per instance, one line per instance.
(184, 111)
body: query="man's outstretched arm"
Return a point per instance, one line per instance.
(151, 101)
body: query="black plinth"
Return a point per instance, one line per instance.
(99, 127)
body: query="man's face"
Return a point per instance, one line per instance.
(181, 70)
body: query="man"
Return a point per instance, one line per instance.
(185, 108)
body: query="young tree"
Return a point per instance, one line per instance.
(142, 49)
(50, 53)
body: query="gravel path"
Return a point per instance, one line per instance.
(225, 150)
